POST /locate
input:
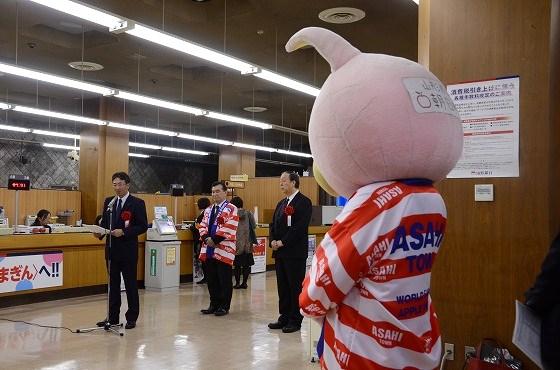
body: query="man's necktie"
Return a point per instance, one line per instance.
(117, 214)
(282, 208)
(213, 215)
(285, 204)
(119, 207)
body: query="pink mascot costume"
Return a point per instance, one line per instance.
(382, 130)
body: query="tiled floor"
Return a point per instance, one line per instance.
(171, 334)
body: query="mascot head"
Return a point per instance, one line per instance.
(377, 118)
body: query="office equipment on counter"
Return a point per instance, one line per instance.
(6, 230)
(29, 219)
(64, 216)
(186, 225)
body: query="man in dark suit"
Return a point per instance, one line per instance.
(129, 220)
(289, 242)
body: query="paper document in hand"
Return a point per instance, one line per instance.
(96, 229)
(527, 333)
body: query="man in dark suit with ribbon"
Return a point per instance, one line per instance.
(289, 242)
(129, 220)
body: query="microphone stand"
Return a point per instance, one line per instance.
(108, 327)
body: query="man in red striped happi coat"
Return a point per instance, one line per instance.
(217, 234)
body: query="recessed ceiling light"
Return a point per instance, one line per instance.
(86, 66)
(341, 15)
(255, 109)
(200, 1)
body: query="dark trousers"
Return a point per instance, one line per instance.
(290, 273)
(128, 269)
(550, 338)
(219, 283)
(238, 270)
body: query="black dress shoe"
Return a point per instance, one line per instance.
(130, 325)
(276, 325)
(208, 311)
(237, 286)
(243, 286)
(103, 322)
(290, 328)
(221, 312)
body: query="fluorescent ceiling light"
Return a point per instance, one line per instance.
(142, 129)
(288, 82)
(137, 128)
(138, 155)
(255, 147)
(187, 47)
(417, 2)
(113, 22)
(120, 94)
(57, 146)
(298, 154)
(187, 151)
(205, 139)
(81, 11)
(47, 113)
(159, 103)
(241, 121)
(145, 146)
(57, 134)
(14, 128)
(61, 81)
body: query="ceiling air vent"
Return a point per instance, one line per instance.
(86, 66)
(341, 15)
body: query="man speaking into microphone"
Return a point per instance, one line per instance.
(129, 219)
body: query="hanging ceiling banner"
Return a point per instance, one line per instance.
(489, 111)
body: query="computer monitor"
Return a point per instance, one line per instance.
(177, 190)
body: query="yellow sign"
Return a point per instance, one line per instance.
(239, 177)
(170, 254)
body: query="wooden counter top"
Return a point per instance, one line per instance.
(37, 241)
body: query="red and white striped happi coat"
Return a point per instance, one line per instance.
(370, 279)
(225, 251)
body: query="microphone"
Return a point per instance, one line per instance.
(110, 205)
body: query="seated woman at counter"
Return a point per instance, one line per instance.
(42, 219)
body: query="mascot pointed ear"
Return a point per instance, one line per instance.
(331, 46)
(322, 182)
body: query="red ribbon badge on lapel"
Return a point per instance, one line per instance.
(126, 216)
(220, 221)
(289, 210)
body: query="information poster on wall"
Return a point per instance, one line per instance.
(25, 271)
(489, 111)
(311, 244)
(259, 255)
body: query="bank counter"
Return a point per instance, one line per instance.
(84, 270)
